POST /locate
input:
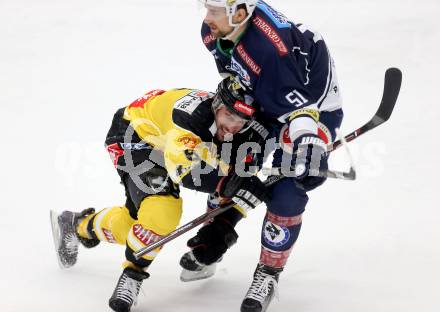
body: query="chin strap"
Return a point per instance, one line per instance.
(231, 34)
(236, 26)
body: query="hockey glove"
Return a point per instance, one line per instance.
(310, 158)
(247, 192)
(212, 241)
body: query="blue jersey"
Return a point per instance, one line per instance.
(285, 65)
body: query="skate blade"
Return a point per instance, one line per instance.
(266, 304)
(190, 276)
(56, 235)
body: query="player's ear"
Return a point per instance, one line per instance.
(239, 16)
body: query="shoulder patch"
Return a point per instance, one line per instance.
(271, 34)
(277, 17)
(191, 101)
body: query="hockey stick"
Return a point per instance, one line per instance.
(194, 223)
(393, 80)
(278, 171)
(392, 83)
(275, 176)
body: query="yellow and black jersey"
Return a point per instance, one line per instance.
(180, 123)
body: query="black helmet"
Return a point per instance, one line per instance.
(235, 98)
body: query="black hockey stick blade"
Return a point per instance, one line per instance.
(393, 81)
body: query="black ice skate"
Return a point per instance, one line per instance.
(192, 270)
(66, 238)
(263, 288)
(127, 290)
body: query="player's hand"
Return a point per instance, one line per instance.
(247, 192)
(309, 156)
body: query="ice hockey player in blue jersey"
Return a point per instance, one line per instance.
(288, 69)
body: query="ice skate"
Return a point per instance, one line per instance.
(127, 290)
(262, 290)
(192, 270)
(65, 237)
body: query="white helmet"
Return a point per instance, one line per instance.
(231, 8)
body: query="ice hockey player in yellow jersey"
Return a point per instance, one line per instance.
(160, 141)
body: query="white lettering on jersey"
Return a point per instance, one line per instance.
(296, 98)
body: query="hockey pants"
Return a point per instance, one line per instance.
(153, 206)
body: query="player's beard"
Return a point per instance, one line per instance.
(222, 34)
(218, 33)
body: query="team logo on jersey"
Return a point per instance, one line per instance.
(248, 60)
(271, 34)
(240, 71)
(188, 141)
(275, 235)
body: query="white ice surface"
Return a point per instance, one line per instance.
(66, 66)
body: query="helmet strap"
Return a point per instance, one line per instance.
(231, 34)
(231, 12)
